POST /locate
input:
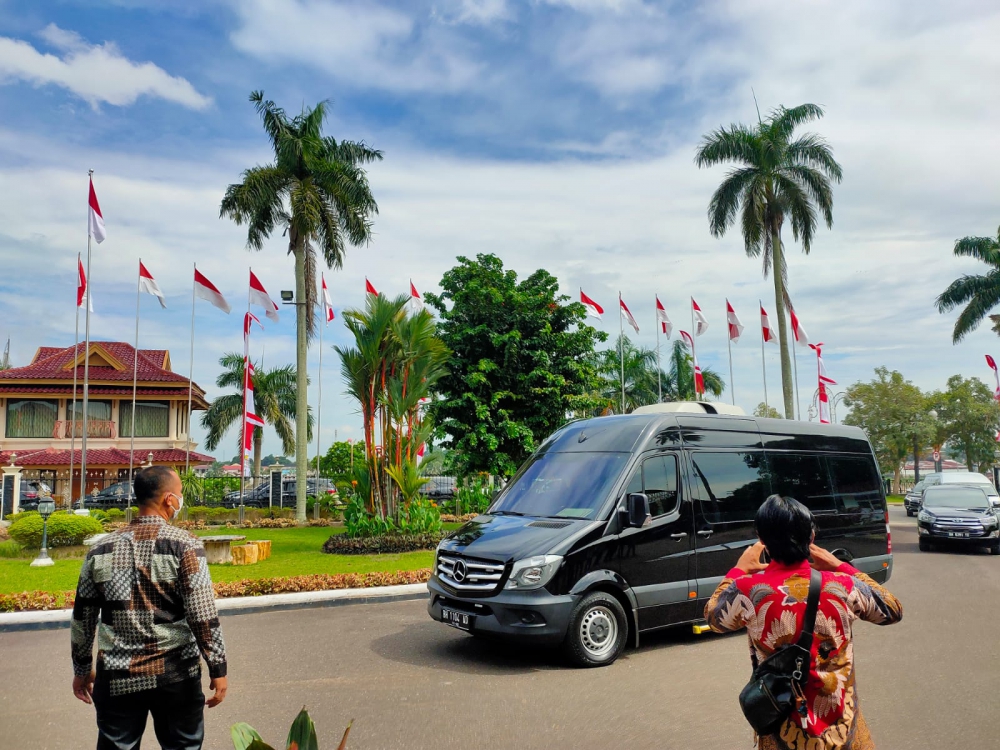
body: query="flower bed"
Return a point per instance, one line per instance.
(341, 544)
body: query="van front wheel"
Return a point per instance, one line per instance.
(598, 630)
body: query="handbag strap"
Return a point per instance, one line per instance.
(812, 606)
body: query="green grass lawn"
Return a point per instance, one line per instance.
(894, 499)
(294, 552)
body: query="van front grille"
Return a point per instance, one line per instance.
(468, 574)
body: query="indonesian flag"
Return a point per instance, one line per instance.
(797, 330)
(148, 284)
(735, 327)
(661, 316)
(327, 304)
(824, 404)
(700, 324)
(627, 315)
(420, 452)
(250, 410)
(82, 292)
(416, 301)
(248, 320)
(820, 367)
(993, 366)
(699, 381)
(765, 328)
(593, 309)
(247, 446)
(259, 296)
(369, 289)
(991, 362)
(95, 219)
(207, 291)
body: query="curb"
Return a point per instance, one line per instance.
(240, 605)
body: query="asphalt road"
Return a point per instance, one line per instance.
(409, 682)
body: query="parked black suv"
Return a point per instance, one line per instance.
(958, 514)
(31, 492)
(626, 524)
(118, 495)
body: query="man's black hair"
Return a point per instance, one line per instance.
(785, 526)
(150, 483)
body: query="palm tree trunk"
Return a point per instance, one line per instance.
(301, 374)
(779, 305)
(258, 444)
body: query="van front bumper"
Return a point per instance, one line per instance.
(536, 616)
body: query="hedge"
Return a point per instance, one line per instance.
(341, 544)
(64, 529)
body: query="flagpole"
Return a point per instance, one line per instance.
(187, 442)
(659, 386)
(763, 361)
(135, 374)
(729, 343)
(86, 368)
(694, 355)
(319, 399)
(243, 430)
(76, 353)
(795, 365)
(621, 347)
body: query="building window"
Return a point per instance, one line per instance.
(31, 418)
(152, 419)
(99, 411)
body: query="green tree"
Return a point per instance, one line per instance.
(316, 191)
(775, 178)
(640, 369)
(679, 384)
(274, 393)
(764, 410)
(969, 416)
(979, 293)
(895, 415)
(336, 462)
(522, 359)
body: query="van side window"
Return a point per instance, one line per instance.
(659, 482)
(731, 485)
(804, 477)
(856, 482)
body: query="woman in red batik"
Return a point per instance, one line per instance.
(770, 602)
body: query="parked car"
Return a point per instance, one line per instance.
(622, 525)
(118, 495)
(314, 488)
(948, 477)
(31, 492)
(255, 497)
(439, 488)
(959, 514)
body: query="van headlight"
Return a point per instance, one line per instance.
(533, 572)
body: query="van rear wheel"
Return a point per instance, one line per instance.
(925, 546)
(598, 631)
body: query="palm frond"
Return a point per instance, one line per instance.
(811, 150)
(738, 143)
(725, 202)
(783, 121)
(986, 249)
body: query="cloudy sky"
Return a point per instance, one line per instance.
(554, 133)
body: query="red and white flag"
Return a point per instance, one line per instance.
(993, 366)
(593, 309)
(209, 292)
(95, 219)
(416, 301)
(661, 316)
(801, 337)
(699, 380)
(369, 289)
(248, 320)
(148, 284)
(735, 327)
(820, 366)
(700, 324)
(824, 404)
(260, 297)
(327, 304)
(770, 337)
(250, 409)
(82, 291)
(627, 314)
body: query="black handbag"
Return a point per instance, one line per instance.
(775, 690)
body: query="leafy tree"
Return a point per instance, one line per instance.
(337, 461)
(317, 193)
(764, 410)
(522, 359)
(274, 393)
(895, 415)
(640, 368)
(979, 293)
(969, 417)
(775, 178)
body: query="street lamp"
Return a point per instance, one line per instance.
(149, 459)
(46, 506)
(937, 448)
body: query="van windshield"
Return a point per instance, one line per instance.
(562, 485)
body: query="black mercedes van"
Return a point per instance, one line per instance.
(625, 524)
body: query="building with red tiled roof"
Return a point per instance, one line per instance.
(38, 422)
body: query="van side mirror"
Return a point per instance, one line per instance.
(637, 508)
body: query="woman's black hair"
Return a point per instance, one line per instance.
(785, 526)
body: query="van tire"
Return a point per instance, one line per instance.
(925, 546)
(598, 631)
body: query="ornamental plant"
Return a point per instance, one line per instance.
(301, 735)
(65, 529)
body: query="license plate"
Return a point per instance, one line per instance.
(959, 534)
(458, 620)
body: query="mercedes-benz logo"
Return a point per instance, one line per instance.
(460, 571)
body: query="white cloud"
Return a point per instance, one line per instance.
(95, 73)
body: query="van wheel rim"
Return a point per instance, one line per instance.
(599, 632)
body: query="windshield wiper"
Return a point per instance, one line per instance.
(506, 513)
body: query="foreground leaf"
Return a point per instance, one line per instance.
(343, 742)
(302, 735)
(243, 735)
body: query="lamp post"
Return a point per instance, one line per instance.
(46, 506)
(937, 448)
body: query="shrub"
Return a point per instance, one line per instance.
(341, 544)
(319, 582)
(360, 523)
(114, 514)
(9, 548)
(64, 529)
(420, 516)
(35, 600)
(100, 515)
(474, 497)
(452, 518)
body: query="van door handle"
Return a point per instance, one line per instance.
(679, 536)
(705, 532)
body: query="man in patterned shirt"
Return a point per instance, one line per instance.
(150, 584)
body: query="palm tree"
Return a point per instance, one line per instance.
(641, 385)
(678, 384)
(274, 393)
(979, 294)
(775, 178)
(317, 193)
